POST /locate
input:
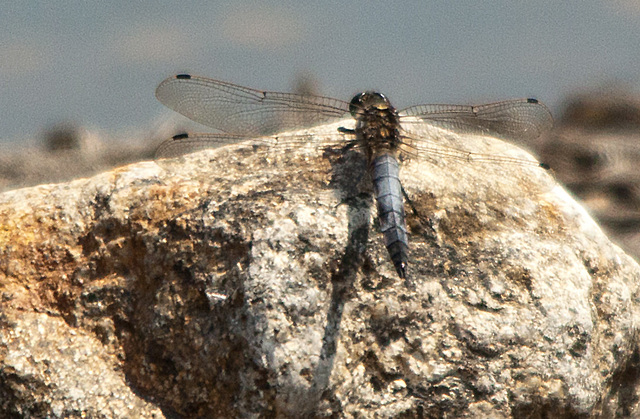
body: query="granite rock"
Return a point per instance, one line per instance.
(247, 284)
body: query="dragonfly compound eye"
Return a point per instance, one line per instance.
(368, 101)
(356, 104)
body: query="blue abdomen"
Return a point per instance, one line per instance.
(388, 193)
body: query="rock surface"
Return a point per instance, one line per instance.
(257, 285)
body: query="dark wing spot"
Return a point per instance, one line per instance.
(532, 100)
(180, 136)
(183, 76)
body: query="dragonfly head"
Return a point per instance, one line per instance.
(367, 101)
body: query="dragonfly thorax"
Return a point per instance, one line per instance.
(377, 123)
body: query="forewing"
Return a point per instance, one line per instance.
(520, 120)
(243, 111)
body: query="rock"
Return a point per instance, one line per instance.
(257, 285)
(52, 370)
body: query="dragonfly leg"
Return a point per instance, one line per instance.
(344, 130)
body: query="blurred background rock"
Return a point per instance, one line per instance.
(594, 149)
(66, 151)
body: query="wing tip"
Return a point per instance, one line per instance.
(160, 90)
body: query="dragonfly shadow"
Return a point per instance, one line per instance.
(351, 182)
(349, 171)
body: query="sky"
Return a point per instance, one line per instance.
(97, 63)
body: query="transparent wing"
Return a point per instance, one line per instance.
(244, 111)
(519, 120)
(189, 143)
(182, 144)
(421, 148)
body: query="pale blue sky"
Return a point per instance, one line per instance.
(98, 63)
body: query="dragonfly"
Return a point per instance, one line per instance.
(385, 135)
